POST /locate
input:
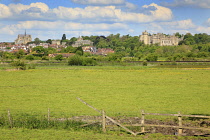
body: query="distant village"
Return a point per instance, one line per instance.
(22, 42)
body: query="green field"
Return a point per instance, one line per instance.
(25, 134)
(119, 90)
(116, 89)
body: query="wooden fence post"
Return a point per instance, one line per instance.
(180, 124)
(103, 121)
(9, 118)
(142, 121)
(48, 115)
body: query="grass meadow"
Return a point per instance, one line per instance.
(119, 90)
(116, 89)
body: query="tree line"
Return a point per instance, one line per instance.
(126, 47)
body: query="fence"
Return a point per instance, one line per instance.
(142, 124)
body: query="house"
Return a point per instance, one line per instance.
(90, 49)
(66, 55)
(104, 51)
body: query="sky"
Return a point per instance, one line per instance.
(50, 19)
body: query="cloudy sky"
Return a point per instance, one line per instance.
(52, 18)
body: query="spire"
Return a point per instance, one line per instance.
(25, 32)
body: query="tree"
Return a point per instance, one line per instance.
(151, 57)
(20, 54)
(20, 65)
(7, 55)
(75, 60)
(59, 57)
(49, 41)
(63, 37)
(37, 41)
(39, 49)
(29, 57)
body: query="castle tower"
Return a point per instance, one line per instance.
(145, 38)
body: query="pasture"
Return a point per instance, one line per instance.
(119, 90)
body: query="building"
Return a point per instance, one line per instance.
(23, 39)
(89, 49)
(56, 42)
(161, 39)
(81, 42)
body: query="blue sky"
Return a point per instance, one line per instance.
(50, 19)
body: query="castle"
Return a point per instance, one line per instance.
(23, 39)
(160, 39)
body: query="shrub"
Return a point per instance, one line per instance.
(29, 57)
(75, 60)
(45, 58)
(59, 57)
(88, 62)
(81, 61)
(144, 63)
(151, 57)
(32, 66)
(20, 65)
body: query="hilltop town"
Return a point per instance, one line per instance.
(146, 46)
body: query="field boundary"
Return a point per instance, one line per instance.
(142, 124)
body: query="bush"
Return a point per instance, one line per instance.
(45, 58)
(29, 57)
(151, 57)
(59, 57)
(88, 62)
(32, 66)
(81, 61)
(144, 63)
(20, 65)
(75, 60)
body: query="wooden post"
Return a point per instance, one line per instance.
(142, 121)
(9, 118)
(107, 117)
(48, 115)
(103, 121)
(180, 124)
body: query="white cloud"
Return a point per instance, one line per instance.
(99, 2)
(62, 26)
(54, 30)
(202, 29)
(207, 22)
(161, 13)
(130, 6)
(4, 11)
(194, 3)
(18, 8)
(182, 24)
(155, 13)
(90, 14)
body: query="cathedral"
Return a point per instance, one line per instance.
(160, 39)
(23, 39)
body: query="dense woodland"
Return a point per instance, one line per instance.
(127, 48)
